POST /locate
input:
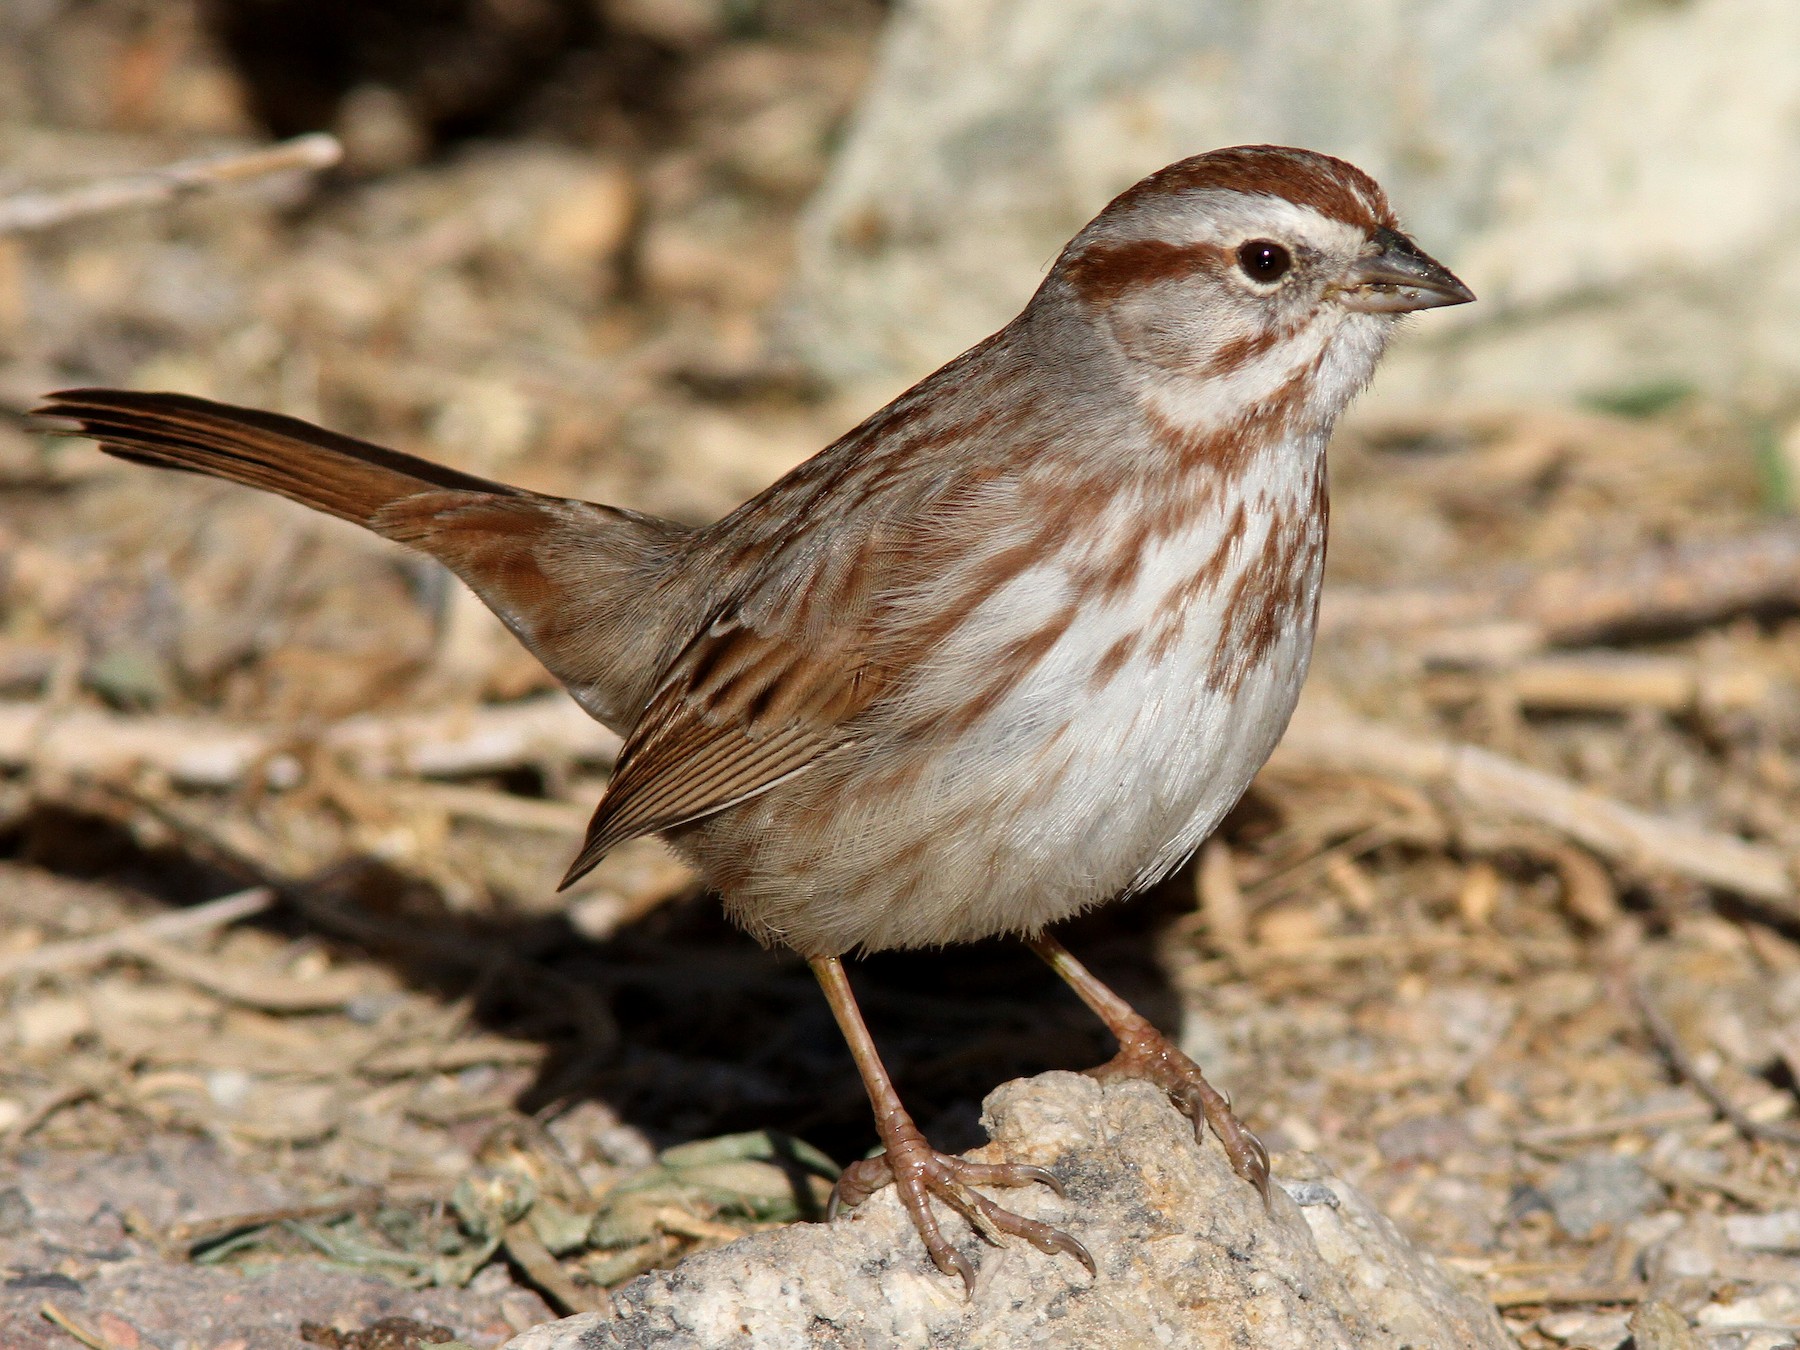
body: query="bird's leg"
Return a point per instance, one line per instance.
(1144, 1052)
(918, 1171)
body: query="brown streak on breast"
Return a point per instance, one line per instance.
(1170, 619)
(1008, 670)
(1112, 661)
(1272, 597)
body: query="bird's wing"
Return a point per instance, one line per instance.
(825, 623)
(740, 711)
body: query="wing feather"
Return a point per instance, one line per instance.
(740, 712)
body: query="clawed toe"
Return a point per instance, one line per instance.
(1158, 1061)
(921, 1174)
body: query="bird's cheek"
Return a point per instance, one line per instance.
(1161, 328)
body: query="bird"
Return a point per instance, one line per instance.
(1010, 648)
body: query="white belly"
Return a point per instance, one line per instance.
(1094, 777)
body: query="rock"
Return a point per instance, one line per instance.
(1600, 1189)
(1590, 1330)
(1694, 1251)
(1187, 1257)
(1610, 176)
(1775, 1232)
(1657, 1326)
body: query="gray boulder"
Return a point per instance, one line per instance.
(1615, 179)
(1188, 1258)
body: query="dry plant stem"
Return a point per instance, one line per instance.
(1691, 583)
(915, 1169)
(201, 752)
(1551, 1137)
(525, 1247)
(85, 1334)
(546, 988)
(196, 919)
(256, 987)
(1144, 1052)
(49, 1106)
(197, 1233)
(1662, 1031)
(1545, 1296)
(1641, 840)
(25, 211)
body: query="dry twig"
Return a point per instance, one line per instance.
(546, 1272)
(196, 1233)
(200, 752)
(39, 210)
(1688, 584)
(1662, 1031)
(1327, 738)
(64, 956)
(258, 987)
(81, 1332)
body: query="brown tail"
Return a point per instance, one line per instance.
(597, 594)
(349, 478)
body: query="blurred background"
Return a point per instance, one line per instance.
(655, 252)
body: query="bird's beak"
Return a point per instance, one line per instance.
(1399, 277)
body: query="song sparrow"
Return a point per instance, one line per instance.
(1010, 648)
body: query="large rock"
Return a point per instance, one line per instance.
(1188, 1258)
(1616, 179)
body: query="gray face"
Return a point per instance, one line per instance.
(1225, 278)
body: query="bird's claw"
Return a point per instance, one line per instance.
(919, 1172)
(1154, 1058)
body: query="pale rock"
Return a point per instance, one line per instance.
(1600, 1189)
(1590, 1330)
(1616, 180)
(50, 1023)
(1696, 1250)
(1775, 1232)
(1775, 1304)
(1188, 1258)
(1658, 1326)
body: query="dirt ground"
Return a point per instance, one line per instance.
(410, 1082)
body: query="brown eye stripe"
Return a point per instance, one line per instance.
(1102, 271)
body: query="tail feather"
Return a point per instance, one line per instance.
(598, 595)
(348, 478)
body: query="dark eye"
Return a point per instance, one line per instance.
(1264, 260)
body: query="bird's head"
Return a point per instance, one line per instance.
(1245, 273)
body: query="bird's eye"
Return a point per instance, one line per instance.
(1264, 260)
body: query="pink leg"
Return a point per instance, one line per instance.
(1144, 1052)
(915, 1169)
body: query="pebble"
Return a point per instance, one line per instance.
(1600, 1189)
(1772, 1304)
(1596, 1330)
(1693, 1251)
(1776, 1232)
(1306, 1193)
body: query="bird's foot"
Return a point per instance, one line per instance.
(1144, 1052)
(919, 1172)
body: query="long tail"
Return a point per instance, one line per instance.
(597, 594)
(348, 478)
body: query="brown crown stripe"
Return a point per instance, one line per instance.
(1328, 185)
